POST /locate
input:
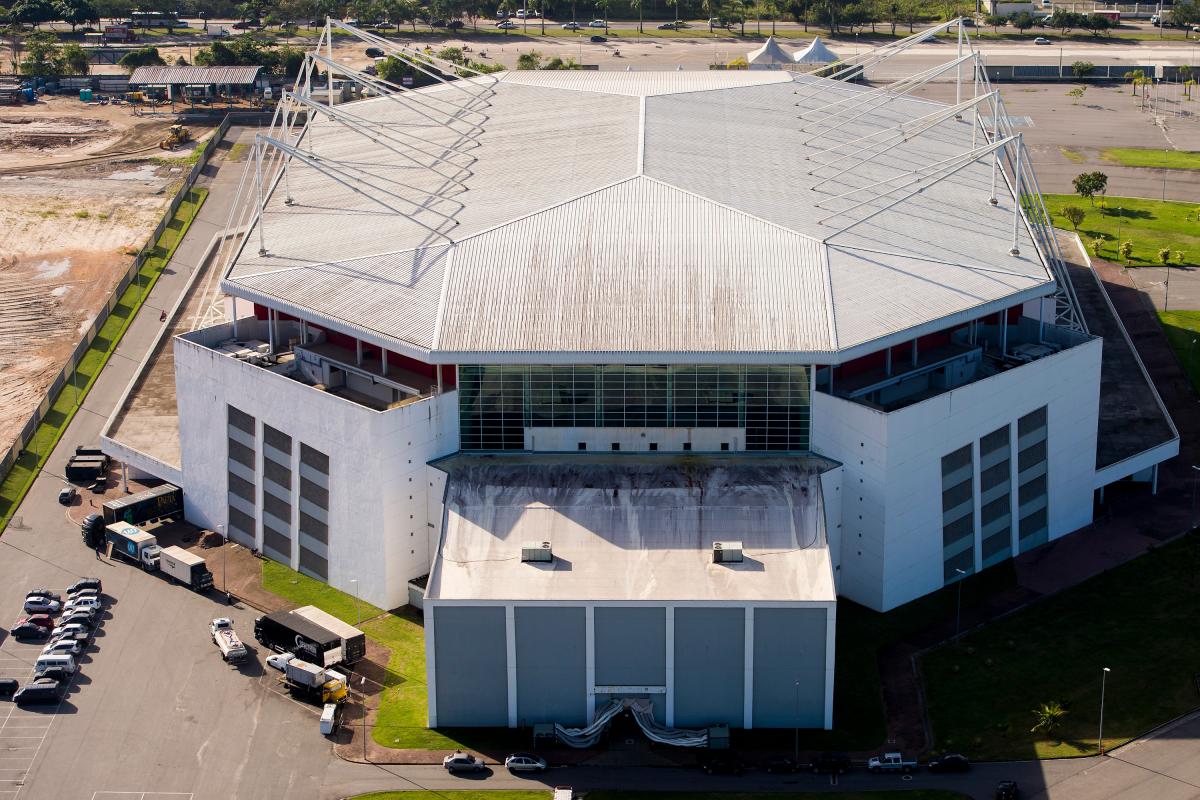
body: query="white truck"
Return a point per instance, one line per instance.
(891, 762)
(187, 568)
(223, 636)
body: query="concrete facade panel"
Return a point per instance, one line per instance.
(631, 646)
(709, 666)
(789, 667)
(551, 665)
(471, 663)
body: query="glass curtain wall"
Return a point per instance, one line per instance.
(496, 403)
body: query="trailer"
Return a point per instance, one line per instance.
(132, 544)
(354, 641)
(86, 468)
(152, 504)
(285, 632)
(187, 568)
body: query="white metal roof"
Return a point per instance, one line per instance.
(633, 528)
(617, 216)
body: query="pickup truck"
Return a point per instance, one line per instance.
(891, 762)
(232, 649)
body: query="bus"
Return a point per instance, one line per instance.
(156, 19)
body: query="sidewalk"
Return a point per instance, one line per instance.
(1130, 522)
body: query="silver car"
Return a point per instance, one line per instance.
(525, 762)
(462, 762)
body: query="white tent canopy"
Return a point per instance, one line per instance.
(816, 53)
(770, 53)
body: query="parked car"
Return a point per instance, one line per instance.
(83, 593)
(279, 661)
(41, 620)
(56, 674)
(63, 647)
(949, 762)
(1007, 790)
(42, 593)
(28, 630)
(8, 687)
(458, 761)
(506, 25)
(525, 762)
(454, 24)
(570, 26)
(831, 764)
(38, 692)
(597, 23)
(70, 627)
(42, 605)
(82, 602)
(891, 762)
(721, 763)
(598, 39)
(779, 765)
(667, 26)
(1041, 40)
(86, 583)
(67, 495)
(87, 616)
(375, 52)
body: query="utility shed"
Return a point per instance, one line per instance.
(635, 601)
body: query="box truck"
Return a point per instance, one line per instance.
(314, 683)
(161, 501)
(354, 641)
(187, 568)
(285, 632)
(223, 636)
(133, 544)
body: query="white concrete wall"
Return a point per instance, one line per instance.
(377, 462)
(892, 536)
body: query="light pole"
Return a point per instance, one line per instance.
(796, 748)
(958, 603)
(1195, 480)
(357, 610)
(224, 562)
(1103, 677)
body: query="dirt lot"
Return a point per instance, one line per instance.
(71, 216)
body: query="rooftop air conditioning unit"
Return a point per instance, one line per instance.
(727, 552)
(536, 551)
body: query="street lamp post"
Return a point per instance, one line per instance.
(796, 748)
(224, 564)
(958, 603)
(1103, 677)
(357, 610)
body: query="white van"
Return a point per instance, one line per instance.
(330, 716)
(56, 660)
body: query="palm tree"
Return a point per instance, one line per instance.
(1048, 718)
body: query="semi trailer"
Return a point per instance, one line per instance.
(187, 568)
(286, 632)
(133, 544)
(354, 641)
(152, 504)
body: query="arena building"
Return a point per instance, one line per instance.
(626, 377)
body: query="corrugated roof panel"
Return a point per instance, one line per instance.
(221, 76)
(642, 84)
(640, 266)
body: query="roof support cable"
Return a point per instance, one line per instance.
(389, 46)
(852, 96)
(853, 68)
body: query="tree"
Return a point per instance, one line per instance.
(1164, 256)
(1076, 93)
(1179, 256)
(1048, 718)
(42, 55)
(995, 20)
(1097, 24)
(1135, 77)
(1095, 245)
(1022, 21)
(559, 63)
(144, 57)
(1126, 250)
(77, 12)
(1074, 215)
(1081, 69)
(74, 60)
(530, 60)
(1090, 184)
(33, 12)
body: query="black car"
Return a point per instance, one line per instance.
(85, 616)
(38, 692)
(29, 630)
(722, 764)
(375, 52)
(779, 765)
(86, 583)
(67, 495)
(1007, 790)
(598, 39)
(7, 687)
(831, 764)
(950, 762)
(56, 674)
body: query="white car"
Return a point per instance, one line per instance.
(82, 602)
(1041, 40)
(78, 593)
(506, 25)
(597, 23)
(279, 661)
(72, 627)
(63, 647)
(41, 605)
(570, 26)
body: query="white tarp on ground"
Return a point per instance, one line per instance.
(643, 714)
(770, 53)
(816, 53)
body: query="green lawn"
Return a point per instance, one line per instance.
(1149, 224)
(1182, 329)
(23, 472)
(1145, 157)
(911, 794)
(981, 691)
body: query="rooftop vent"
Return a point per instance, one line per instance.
(727, 552)
(540, 551)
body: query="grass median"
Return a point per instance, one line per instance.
(1183, 332)
(982, 690)
(62, 410)
(1150, 224)
(1146, 157)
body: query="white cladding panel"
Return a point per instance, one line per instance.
(893, 462)
(377, 461)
